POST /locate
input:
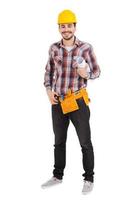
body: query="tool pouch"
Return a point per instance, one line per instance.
(85, 96)
(69, 104)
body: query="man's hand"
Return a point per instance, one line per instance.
(82, 71)
(52, 97)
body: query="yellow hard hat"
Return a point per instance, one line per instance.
(66, 17)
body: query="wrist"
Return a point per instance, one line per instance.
(48, 90)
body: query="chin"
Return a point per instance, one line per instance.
(68, 38)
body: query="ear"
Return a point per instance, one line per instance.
(59, 28)
(75, 29)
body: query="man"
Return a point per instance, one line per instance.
(71, 63)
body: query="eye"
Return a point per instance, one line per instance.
(69, 25)
(62, 26)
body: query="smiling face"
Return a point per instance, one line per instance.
(67, 30)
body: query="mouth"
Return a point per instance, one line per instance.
(65, 33)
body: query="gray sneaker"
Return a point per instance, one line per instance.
(87, 187)
(51, 182)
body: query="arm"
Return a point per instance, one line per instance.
(48, 79)
(93, 65)
(49, 72)
(88, 68)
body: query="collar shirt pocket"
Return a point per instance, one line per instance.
(57, 60)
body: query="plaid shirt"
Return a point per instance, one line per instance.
(61, 69)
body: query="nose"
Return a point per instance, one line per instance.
(66, 29)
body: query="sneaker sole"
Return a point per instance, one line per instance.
(47, 186)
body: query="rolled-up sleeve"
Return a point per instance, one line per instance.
(49, 71)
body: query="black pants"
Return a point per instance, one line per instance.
(80, 119)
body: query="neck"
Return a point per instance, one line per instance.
(69, 42)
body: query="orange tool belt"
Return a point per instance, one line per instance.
(69, 103)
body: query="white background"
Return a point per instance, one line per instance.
(27, 28)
